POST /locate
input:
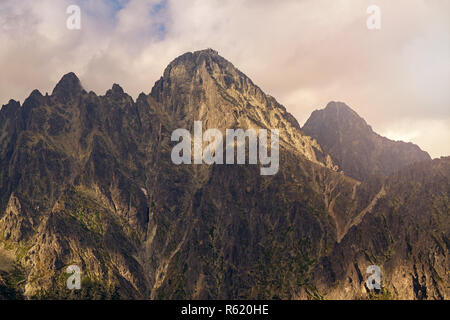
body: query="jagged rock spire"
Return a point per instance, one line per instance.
(68, 87)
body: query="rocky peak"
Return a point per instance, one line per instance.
(338, 115)
(203, 70)
(340, 107)
(68, 87)
(11, 106)
(194, 59)
(117, 89)
(35, 94)
(204, 86)
(33, 100)
(116, 92)
(355, 147)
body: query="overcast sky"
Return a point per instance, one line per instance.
(305, 53)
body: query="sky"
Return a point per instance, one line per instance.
(304, 53)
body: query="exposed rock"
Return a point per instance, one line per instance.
(68, 87)
(406, 234)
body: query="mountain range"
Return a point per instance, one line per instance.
(88, 180)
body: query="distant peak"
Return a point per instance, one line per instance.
(339, 106)
(68, 86)
(11, 105)
(116, 88)
(355, 147)
(116, 91)
(336, 105)
(339, 111)
(336, 114)
(33, 99)
(13, 102)
(69, 80)
(35, 94)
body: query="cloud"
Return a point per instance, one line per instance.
(303, 52)
(423, 132)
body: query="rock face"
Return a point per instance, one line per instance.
(88, 180)
(205, 87)
(353, 145)
(406, 234)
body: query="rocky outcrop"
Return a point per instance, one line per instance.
(406, 234)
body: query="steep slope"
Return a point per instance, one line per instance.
(71, 192)
(227, 228)
(406, 235)
(205, 87)
(353, 145)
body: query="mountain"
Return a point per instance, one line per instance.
(88, 180)
(355, 147)
(203, 86)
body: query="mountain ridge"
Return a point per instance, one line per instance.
(88, 180)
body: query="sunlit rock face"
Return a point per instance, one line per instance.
(88, 180)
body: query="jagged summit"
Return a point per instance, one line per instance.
(202, 85)
(207, 51)
(204, 73)
(191, 63)
(204, 52)
(68, 86)
(341, 108)
(116, 91)
(117, 88)
(11, 106)
(33, 100)
(340, 114)
(35, 94)
(193, 56)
